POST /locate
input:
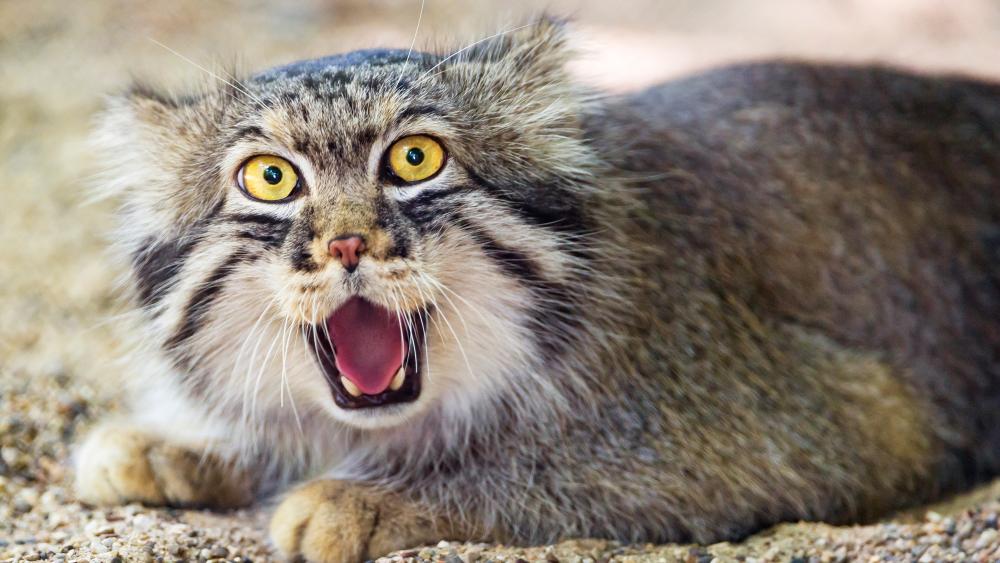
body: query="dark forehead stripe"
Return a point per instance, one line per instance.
(250, 132)
(416, 111)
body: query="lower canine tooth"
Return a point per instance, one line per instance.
(398, 380)
(350, 386)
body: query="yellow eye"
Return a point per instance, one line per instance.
(268, 178)
(415, 158)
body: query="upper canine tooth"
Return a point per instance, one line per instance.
(350, 386)
(398, 379)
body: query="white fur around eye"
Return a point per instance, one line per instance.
(280, 210)
(444, 179)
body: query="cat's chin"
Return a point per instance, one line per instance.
(376, 418)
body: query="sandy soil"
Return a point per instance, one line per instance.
(57, 299)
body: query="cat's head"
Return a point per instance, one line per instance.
(369, 237)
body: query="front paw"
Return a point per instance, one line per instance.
(334, 521)
(117, 465)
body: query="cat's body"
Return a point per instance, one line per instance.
(769, 292)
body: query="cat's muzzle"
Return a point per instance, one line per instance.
(371, 356)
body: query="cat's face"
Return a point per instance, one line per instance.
(370, 237)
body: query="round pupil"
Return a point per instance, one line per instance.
(272, 175)
(415, 156)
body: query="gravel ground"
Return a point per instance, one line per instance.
(40, 520)
(57, 296)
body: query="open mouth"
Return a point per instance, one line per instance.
(370, 355)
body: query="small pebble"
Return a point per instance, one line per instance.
(948, 525)
(472, 554)
(986, 538)
(965, 529)
(991, 520)
(933, 539)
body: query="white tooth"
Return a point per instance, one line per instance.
(398, 380)
(350, 386)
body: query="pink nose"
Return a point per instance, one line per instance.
(348, 250)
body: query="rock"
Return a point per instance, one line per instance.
(965, 529)
(933, 539)
(986, 538)
(472, 554)
(991, 520)
(948, 525)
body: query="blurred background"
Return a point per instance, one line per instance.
(58, 58)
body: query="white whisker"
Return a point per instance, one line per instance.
(409, 52)
(471, 45)
(240, 89)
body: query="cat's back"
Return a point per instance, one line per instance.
(862, 203)
(855, 170)
(801, 112)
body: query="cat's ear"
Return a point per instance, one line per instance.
(145, 103)
(526, 108)
(520, 70)
(151, 149)
(146, 114)
(536, 51)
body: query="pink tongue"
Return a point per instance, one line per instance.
(368, 343)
